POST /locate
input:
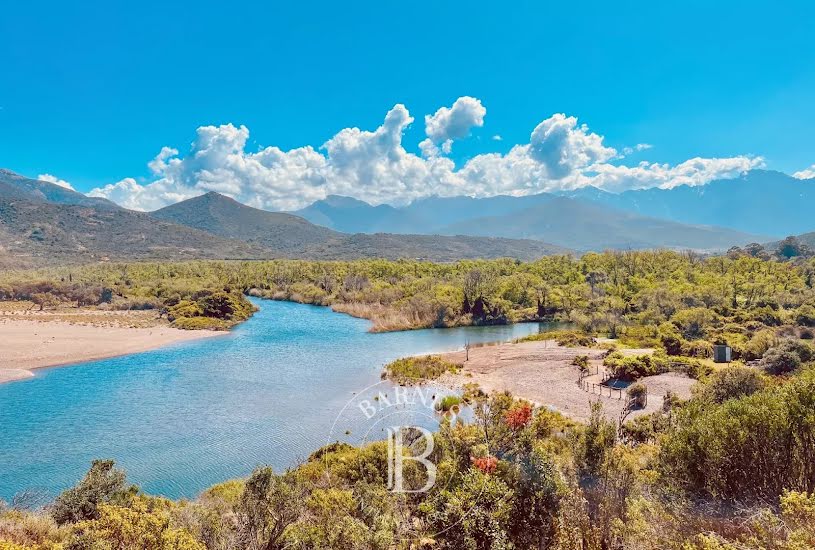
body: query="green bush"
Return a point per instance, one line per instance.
(778, 361)
(411, 370)
(805, 316)
(632, 368)
(732, 383)
(745, 449)
(638, 395)
(103, 483)
(448, 402)
(698, 348)
(200, 323)
(581, 361)
(567, 338)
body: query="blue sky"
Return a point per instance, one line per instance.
(92, 91)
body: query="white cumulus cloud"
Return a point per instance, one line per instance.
(564, 148)
(55, 180)
(806, 173)
(456, 122)
(374, 166)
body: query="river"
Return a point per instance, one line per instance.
(184, 417)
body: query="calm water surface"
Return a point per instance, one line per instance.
(182, 418)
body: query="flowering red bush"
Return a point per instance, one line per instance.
(486, 464)
(518, 416)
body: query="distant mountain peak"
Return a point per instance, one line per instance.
(18, 187)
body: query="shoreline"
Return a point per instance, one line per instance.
(30, 345)
(542, 372)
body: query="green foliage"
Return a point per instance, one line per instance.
(211, 311)
(787, 356)
(732, 383)
(269, 505)
(103, 484)
(143, 525)
(567, 338)
(745, 448)
(633, 367)
(411, 370)
(476, 513)
(448, 402)
(638, 395)
(805, 316)
(595, 442)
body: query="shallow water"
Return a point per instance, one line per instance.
(184, 417)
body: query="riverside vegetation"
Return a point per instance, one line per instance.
(682, 302)
(730, 468)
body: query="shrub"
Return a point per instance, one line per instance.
(518, 416)
(732, 383)
(778, 361)
(102, 484)
(766, 316)
(200, 323)
(694, 322)
(566, 338)
(805, 316)
(698, 348)
(671, 339)
(632, 368)
(184, 308)
(747, 448)
(787, 356)
(411, 370)
(637, 395)
(581, 361)
(801, 349)
(448, 402)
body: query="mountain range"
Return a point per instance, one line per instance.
(760, 201)
(572, 222)
(42, 223)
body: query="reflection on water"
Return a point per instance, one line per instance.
(182, 418)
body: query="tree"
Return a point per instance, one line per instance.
(791, 248)
(268, 506)
(103, 484)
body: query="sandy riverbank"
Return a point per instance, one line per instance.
(541, 372)
(27, 344)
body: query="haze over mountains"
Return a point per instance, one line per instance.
(42, 222)
(760, 201)
(575, 223)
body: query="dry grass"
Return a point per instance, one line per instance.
(28, 529)
(384, 318)
(28, 311)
